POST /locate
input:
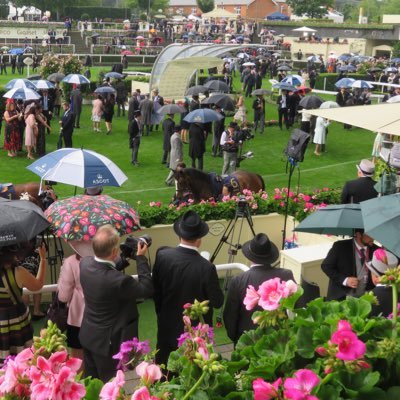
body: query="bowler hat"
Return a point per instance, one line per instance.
(260, 250)
(190, 226)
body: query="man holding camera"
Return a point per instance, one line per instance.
(181, 275)
(111, 315)
(230, 149)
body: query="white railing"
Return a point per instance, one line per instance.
(220, 268)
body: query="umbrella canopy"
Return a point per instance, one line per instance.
(284, 67)
(83, 168)
(394, 99)
(21, 220)
(294, 80)
(78, 79)
(221, 100)
(375, 69)
(127, 53)
(22, 94)
(34, 77)
(105, 89)
(115, 75)
(42, 84)
(56, 77)
(203, 115)
(277, 16)
(4, 48)
(139, 37)
(171, 109)
(304, 29)
(79, 217)
(310, 102)
(248, 64)
(284, 86)
(16, 51)
(382, 221)
(329, 104)
(261, 92)
(160, 16)
(348, 68)
(243, 55)
(391, 69)
(95, 34)
(28, 49)
(344, 82)
(20, 83)
(303, 89)
(217, 86)
(195, 90)
(362, 85)
(338, 219)
(313, 58)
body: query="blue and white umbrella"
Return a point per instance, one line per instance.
(16, 51)
(344, 82)
(43, 84)
(20, 83)
(22, 94)
(78, 79)
(362, 85)
(294, 80)
(203, 115)
(115, 75)
(83, 168)
(391, 69)
(284, 86)
(348, 68)
(395, 60)
(105, 89)
(314, 59)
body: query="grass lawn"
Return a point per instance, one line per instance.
(146, 183)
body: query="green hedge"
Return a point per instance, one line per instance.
(98, 12)
(331, 80)
(328, 24)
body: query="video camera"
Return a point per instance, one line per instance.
(242, 135)
(129, 248)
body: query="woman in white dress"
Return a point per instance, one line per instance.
(320, 134)
(241, 112)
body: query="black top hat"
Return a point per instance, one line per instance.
(260, 250)
(190, 226)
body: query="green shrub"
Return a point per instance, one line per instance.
(85, 16)
(75, 12)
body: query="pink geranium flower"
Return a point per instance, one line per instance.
(264, 390)
(252, 298)
(143, 394)
(350, 348)
(271, 292)
(112, 390)
(300, 387)
(149, 373)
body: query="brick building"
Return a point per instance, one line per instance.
(245, 8)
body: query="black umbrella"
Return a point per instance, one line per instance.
(284, 67)
(34, 77)
(95, 34)
(375, 69)
(217, 86)
(221, 100)
(171, 109)
(261, 92)
(310, 102)
(21, 220)
(195, 90)
(56, 77)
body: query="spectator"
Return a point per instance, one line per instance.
(76, 105)
(108, 113)
(97, 112)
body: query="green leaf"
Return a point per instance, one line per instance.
(93, 388)
(235, 366)
(304, 342)
(355, 307)
(361, 381)
(373, 393)
(393, 393)
(199, 395)
(290, 302)
(329, 392)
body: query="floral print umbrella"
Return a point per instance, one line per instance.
(79, 217)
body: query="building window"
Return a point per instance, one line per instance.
(194, 10)
(238, 10)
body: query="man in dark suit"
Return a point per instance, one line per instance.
(283, 108)
(48, 106)
(382, 260)
(76, 105)
(342, 97)
(259, 113)
(168, 131)
(345, 266)
(362, 188)
(135, 132)
(219, 127)
(111, 315)
(67, 126)
(181, 275)
(262, 253)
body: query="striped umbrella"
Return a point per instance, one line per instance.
(78, 79)
(20, 83)
(43, 84)
(22, 94)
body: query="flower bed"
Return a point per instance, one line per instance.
(299, 206)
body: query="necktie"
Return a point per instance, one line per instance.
(362, 257)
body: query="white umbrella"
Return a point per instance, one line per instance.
(20, 83)
(22, 94)
(76, 78)
(243, 55)
(304, 29)
(394, 99)
(328, 104)
(362, 85)
(43, 84)
(248, 64)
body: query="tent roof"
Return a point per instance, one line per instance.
(304, 29)
(384, 117)
(219, 13)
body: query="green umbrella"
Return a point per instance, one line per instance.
(338, 219)
(382, 221)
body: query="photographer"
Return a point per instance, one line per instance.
(111, 315)
(230, 147)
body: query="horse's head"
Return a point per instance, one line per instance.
(47, 196)
(183, 184)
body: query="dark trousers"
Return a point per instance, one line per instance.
(47, 114)
(135, 149)
(3, 68)
(77, 118)
(199, 162)
(165, 157)
(216, 147)
(97, 366)
(283, 114)
(147, 129)
(67, 139)
(121, 105)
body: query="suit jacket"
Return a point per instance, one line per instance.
(341, 98)
(134, 131)
(111, 315)
(358, 190)
(181, 275)
(197, 140)
(236, 318)
(76, 101)
(67, 122)
(279, 102)
(168, 129)
(385, 301)
(133, 105)
(339, 264)
(176, 154)
(146, 108)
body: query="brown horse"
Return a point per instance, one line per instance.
(41, 199)
(200, 185)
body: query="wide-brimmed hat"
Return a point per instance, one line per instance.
(82, 247)
(382, 260)
(366, 167)
(260, 250)
(190, 226)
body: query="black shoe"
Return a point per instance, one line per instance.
(108, 133)
(77, 127)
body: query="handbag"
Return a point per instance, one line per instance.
(58, 313)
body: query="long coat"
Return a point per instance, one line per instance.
(236, 318)
(181, 275)
(197, 140)
(176, 154)
(168, 130)
(146, 108)
(76, 101)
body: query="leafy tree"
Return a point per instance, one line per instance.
(205, 5)
(313, 8)
(143, 5)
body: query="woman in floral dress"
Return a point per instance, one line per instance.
(12, 138)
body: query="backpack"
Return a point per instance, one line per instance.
(297, 145)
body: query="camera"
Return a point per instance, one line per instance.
(129, 248)
(241, 205)
(47, 198)
(243, 135)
